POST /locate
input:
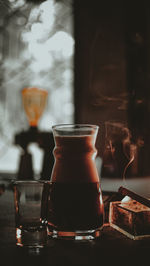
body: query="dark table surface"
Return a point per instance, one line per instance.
(112, 248)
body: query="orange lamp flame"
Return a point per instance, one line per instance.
(34, 102)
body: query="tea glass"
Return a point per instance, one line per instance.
(75, 209)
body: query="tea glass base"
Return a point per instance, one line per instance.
(76, 235)
(36, 238)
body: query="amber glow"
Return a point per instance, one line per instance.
(34, 101)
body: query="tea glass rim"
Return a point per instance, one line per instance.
(74, 126)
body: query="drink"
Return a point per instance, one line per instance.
(75, 206)
(75, 159)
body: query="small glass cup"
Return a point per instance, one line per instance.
(30, 199)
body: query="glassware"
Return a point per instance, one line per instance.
(34, 101)
(30, 199)
(75, 206)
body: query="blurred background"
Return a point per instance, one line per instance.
(93, 58)
(36, 49)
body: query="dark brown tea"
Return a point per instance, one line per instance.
(75, 206)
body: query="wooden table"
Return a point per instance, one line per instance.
(112, 248)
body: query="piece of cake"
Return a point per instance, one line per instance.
(131, 218)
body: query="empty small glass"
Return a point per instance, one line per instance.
(30, 198)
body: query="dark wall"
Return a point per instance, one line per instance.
(112, 66)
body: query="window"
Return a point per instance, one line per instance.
(36, 49)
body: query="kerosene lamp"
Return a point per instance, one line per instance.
(34, 102)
